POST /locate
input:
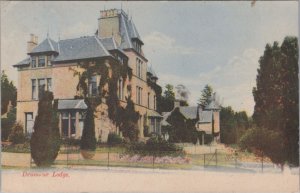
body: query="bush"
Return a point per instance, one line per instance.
(71, 142)
(264, 142)
(155, 146)
(45, 140)
(17, 135)
(114, 139)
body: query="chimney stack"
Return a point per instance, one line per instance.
(32, 43)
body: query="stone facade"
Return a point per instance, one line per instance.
(51, 66)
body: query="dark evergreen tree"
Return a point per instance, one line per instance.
(206, 95)
(88, 139)
(45, 140)
(166, 102)
(276, 94)
(8, 93)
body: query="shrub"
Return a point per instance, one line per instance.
(114, 139)
(88, 139)
(17, 135)
(45, 140)
(264, 142)
(71, 142)
(156, 146)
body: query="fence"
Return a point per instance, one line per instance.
(70, 156)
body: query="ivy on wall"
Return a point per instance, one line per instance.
(124, 118)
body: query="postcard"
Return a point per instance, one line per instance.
(166, 96)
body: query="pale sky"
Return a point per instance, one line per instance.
(189, 43)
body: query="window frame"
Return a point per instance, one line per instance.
(41, 58)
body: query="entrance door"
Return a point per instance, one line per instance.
(29, 123)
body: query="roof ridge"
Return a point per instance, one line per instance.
(126, 31)
(99, 42)
(51, 46)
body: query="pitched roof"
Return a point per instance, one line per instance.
(151, 113)
(80, 48)
(24, 62)
(205, 116)
(48, 45)
(128, 31)
(71, 104)
(189, 112)
(109, 43)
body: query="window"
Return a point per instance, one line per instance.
(41, 61)
(29, 122)
(93, 86)
(33, 89)
(73, 122)
(148, 100)
(41, 86)
(139, 68)
(154, 102)
(139, 95)
(33, 61)
(49, 84)
(49, 60)
(120, 90)
(65, 123)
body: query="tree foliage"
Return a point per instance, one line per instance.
(124, 118)
(276, 94)
(8, 93)
(45, 139)
(206, 95)
(17, 134)
(7, 124)
(232, 125)
(264, 142)
(181, 129)
(166, 102)
(88, 139)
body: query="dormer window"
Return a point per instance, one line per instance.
(33, 61)
(137, 46)
(41, 61)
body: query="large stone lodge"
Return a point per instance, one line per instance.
(50, 65)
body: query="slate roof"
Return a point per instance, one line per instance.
(205, 116)
(48, 45)
(71, 104)
(109, 43)
(24, 62)
(128, 31)
(80, 48)
(189, 112)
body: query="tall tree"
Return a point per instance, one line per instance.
(206, 95)
(276, 94)
(166, 102)
(45, 139)
(8, 93)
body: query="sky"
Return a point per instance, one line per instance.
(190, 43)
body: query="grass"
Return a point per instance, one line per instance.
(122, 164)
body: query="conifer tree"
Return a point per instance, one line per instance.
(88, 140)
(45, 140)
(276, 94)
